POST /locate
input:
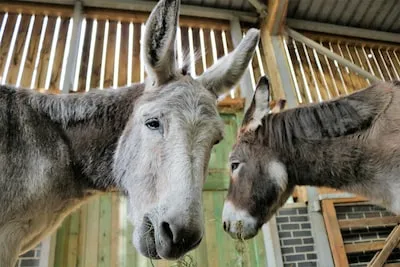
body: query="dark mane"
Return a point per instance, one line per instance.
(340, 117)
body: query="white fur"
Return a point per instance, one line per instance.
(233, 217)
(278, 173)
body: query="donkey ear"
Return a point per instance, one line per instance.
(259, 106)
(159, 41)
(224, 74)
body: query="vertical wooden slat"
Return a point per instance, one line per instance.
(208, 47)
(32, 53)
(85, 56)
(98, 51)
(218, 43)
(18, 50)
(6, 41)
(197, 50)
(73, 240)
(292, 70)
(392, 65)
(115, 229)
(92, 233)
(123, 55)
(82, 238)
(104, 239)
(61, 254)
(334, 235)
(136, 53)
(59, 56)
(45, 54)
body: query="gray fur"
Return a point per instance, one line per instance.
(150, 141)
(351, 143)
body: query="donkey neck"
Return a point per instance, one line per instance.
(91, 124)
(320, 161)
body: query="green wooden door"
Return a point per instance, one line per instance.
(99, 234)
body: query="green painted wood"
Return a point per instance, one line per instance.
(104, 256)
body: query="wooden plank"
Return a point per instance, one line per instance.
(350, 200)
(197, 50)
(136, 53)
(6, 41)
(18, 50)
(59, 55)
(37, 9)
(123, 55)
(32, 53)
(82, 239)
(208, 47)
(369, 222)
(109, 70)
(391, 242)
(73, 240)
(104, 239)
(92, 233)
(45, 54)
(115, 229)
(62, 243)
(85, 56)
(334, 235)
(98, 54)
(364, 247)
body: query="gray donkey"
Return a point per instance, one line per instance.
(350, 143)
(151, 141)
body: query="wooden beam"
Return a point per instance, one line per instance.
(391, 242)
(36, 9)
(367, 246)
(361, 223)
(277, 11)
(334, 235)
(343, 30)
(147, 6)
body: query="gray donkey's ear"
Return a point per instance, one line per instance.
(259, 106)
(159, 41)
(224, 74)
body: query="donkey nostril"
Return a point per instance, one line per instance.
(167, 230)
(226, 226)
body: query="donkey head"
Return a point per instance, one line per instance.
(258, 184)
(162, 157)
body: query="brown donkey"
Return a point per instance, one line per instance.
(350, 143)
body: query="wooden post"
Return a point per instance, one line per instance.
(73, 52)
(277, 10)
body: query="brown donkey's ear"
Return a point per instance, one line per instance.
(259, 106)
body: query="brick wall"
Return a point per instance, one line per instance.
(30, 259)
(297, 243)
(367, 234)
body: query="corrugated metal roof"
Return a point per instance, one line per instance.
(381, 15)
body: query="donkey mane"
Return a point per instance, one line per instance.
(331, 119)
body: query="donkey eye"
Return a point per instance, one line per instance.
(234, 165)
(217, 142)
(152, 124)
